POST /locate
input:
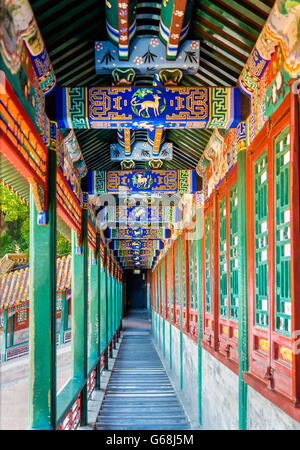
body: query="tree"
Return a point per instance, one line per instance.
(14, 226)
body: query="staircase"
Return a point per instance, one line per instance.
(139, 395)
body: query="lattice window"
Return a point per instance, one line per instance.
(162, 286)
(169, 277)
(207, 263)
(197, 272)
(233, 252)
(223, 258)
(183, 272)
(282, 234)
(176, 254)
(261, 240)
(22, 316)
(192, 269)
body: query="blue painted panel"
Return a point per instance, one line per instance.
(141, 151)
(147, 56)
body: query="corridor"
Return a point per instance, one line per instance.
(149, 161)
(139, 395)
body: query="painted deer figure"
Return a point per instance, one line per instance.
(141, 180)
(145, 105)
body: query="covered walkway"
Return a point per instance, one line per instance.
(140, 395)
(161, 140)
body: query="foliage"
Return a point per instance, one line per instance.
(63, 245)
(14, 236)
(14, 226)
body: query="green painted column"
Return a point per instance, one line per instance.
(94, 308)
(42, 311)
(98, 372)
(103, 308)
(121, 301)
(80, 311)
(63, 317)
(163, 308)
(242, 286)
(4, 336)
(12, 331)
(113, 300)
(108, 290)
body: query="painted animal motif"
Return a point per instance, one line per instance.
(148, 104)
(143, 181)
(138, 213)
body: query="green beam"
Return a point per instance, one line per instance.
(42, 311)
(79, 313)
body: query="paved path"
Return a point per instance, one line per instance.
(139, 394)
(14, 387)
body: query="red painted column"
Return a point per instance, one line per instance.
(295, 237)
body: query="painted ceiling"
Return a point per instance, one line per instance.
(227, 32)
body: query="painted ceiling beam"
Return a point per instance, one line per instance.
(142, 181)
(141, 151)
(148, 107)
(174, 24)
(121, 24)
(139, 213)
(124, 245)
(147, 57)
(142, 253)
(137, 233)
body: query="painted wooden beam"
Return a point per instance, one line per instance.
(121, 24)
(174, 24)
(141, 151)
(142, 181)
(148, 107)
(136, 244)
(138, 214)
(147, 56)
(137, 233)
